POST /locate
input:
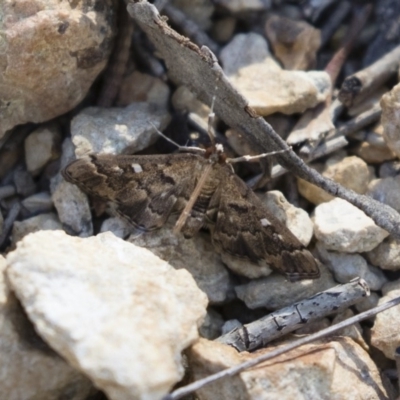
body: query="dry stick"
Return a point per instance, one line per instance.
(117, 64)
(258, 333)
(197, 69)
(185, 390)
(357, 86)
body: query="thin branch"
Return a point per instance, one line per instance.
(183, 391)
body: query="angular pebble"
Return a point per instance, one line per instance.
(113, 310)
(342, 227)
(386, 255)
(390, 104)
(386, 191)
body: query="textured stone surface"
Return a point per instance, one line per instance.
(30, 369)
(55, 50)
(351, 172)
(111, 309)
(386, 190)
(345, 267)
(390, 104)
(342, 227)
(117, 130)
(386, 255)
(255, 74)
(339, 369)
(385, 334)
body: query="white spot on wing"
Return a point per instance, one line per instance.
(265, 222)
(137, 168)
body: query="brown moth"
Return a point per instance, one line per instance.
(146, 189)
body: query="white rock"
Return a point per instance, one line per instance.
(385, 334)
(117, 130)
(345, 267)
(41, 222)
(296, 219)
(342, 227)
(254, 73)
(367, 303)
(197, 255)
(30, 369)
(71, 203)
(386, 255)
(390, 104)
(111, 309)
(41, 147)
(339, 369)
(275, 292)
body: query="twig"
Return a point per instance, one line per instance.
(183, 391)
(9, 221)
(357, 86)
(397, 359)
(118, 61)
(257, 334)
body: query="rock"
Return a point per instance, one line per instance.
(342, 227)
(199, 11)
(117, 226)
(37, 203)
(54, 52)
(239, 6)
(197, 255)
(185, 101)
(345, 267)
(385, 334)
(324, 370)
(212, 325)
(276, 292)
(386, 255)
(224, 28)
(351, 172)
(71, 203)
(295, 43)
(389, 169)
(24, 183)
(41, 222)
(42, 146)
(230, 325)
(253, 72)
(390, 119)
(138, 87)
(117, 130)
(111, 309)
(32, 369)
(386, 191)
(367, 303)
(296, 219)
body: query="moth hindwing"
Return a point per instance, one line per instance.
(146, 189)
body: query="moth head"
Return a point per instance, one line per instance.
(216, 154)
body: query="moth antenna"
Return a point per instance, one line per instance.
(181, 148)
(196, 192)
(257, 157)
(211, 117)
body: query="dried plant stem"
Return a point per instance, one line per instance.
(183, 391)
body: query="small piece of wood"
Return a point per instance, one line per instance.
(257, 334)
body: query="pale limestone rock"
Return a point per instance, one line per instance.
(351, 172)
(339, 369)
(386, 255)
(385, 334)
(295, 43)
(52, 52)
(345, 267)
(117, 130)
(197, 255)
(296, 219)
(42, 146)
(240, 6)
(111, 309)
(275, 292)
(138, 87)
(386, 191)
(30, 369)
(71, 203)
(342, 227)
(390, 119)
(255, 74)
(41, 222)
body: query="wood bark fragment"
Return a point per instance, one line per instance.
(257, 334)
(198, 69)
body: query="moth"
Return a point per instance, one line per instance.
(146, 189)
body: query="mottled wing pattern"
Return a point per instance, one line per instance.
(245, 229)
(142, 189)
